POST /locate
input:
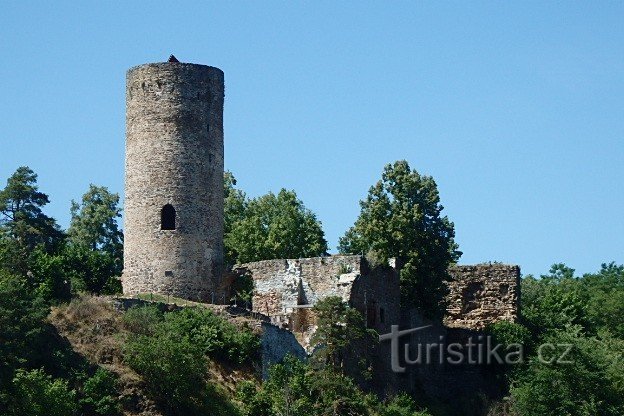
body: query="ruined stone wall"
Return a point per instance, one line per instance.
(281, 285)
(174, 155)
(287, 289)
(482, 294)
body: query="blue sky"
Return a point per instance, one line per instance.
(515, 108)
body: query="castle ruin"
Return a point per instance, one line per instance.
(174, 230)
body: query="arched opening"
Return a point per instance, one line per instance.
(168, 218)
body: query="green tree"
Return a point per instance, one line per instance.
(234, 208)
(605, 307)
(340, 328)
(274, 226)
(554, 301)
(94, 221)
(402, 217)
(21, 326)
(38, 394)
(22, 219)
(298, 388)
(588, 381)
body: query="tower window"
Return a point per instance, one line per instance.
(168, 218)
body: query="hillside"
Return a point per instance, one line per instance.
(96, 330)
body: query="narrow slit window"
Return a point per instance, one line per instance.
(168, 218)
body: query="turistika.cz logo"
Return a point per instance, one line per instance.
(477, 350)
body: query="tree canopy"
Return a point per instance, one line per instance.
(21, 215)
(402, 217)
(94, 220)
(269, 227)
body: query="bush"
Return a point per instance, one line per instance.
(296, 388)
(401, 405)
(216, 336)
(591, 383)
(37, 394)
(142, 320)
(100, 394)
(172, 369)
(170, 352)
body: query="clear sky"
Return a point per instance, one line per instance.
(515, 108)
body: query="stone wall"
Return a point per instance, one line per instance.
(282, 285)
(288, 289)
(174, 156)
(482, 294)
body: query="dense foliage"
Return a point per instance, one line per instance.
(340, 332)
(402, 217)
(579, 320)
(269, 227)
(171, 352)
(297, 388)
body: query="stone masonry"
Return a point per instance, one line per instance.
(478, 295)
(482, 294)
(288, 289)
(174, 180)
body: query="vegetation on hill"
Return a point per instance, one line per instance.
(574, 344)
(65, 352)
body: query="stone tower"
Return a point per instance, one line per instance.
(174, 180)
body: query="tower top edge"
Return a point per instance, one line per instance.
(174, 66)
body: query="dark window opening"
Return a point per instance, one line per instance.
(168, 218)
(382, 315)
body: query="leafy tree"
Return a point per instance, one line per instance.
(37, 394)
(272, 226)
(22, 218)
(402, 217)
(47, 274)
(588, 382)
(554, 301)
(605, 307)
(94, 221)
(234, 207)
(21, 326)
(339, 329)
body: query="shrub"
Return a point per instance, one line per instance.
(590, 383)
(401, 405)
(216, 336)
(142, 319)
(172, 369)
(100, 394)
(37, 394)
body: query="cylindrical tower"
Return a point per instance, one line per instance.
(173, 233)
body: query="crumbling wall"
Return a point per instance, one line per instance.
(282, 285)
(482, 294)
